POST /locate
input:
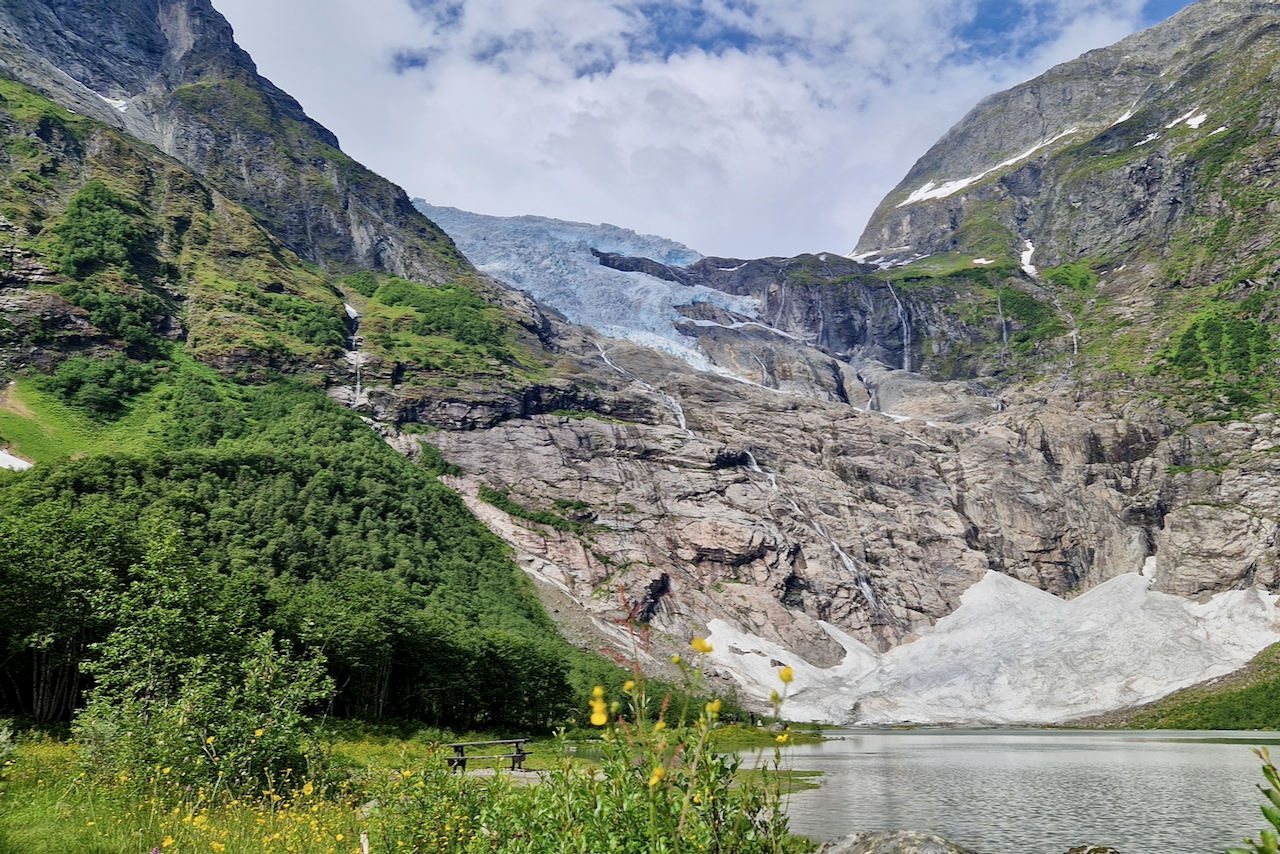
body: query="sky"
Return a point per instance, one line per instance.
(741, 128)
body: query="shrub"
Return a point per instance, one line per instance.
(98, 230)
(100, 387)
(178, 689)
(659, 788)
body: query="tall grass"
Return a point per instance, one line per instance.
(654, 788)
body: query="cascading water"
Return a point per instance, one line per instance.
(906, 329)
(860, 577)
(672, 403)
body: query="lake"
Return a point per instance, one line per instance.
(1037, 791)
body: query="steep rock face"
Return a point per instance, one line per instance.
(169, 72)
(1120, 151)
(777, 512)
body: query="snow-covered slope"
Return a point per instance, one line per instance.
(1012, 654)
(551, 260)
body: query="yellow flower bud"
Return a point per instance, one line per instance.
(597, 691)
(675, 659)
(656, 777)
(659, 726)
(628, 685)
(786, 675)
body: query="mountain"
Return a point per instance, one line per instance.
(945, 479)
(1061, 321)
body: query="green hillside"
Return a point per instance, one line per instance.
(198, 501)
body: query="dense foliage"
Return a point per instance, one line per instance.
(445, 310)
(99, 228)
(651, 784)
(285, 515)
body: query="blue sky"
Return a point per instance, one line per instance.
(739, 127)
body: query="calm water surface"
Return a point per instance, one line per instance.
(1037, 791)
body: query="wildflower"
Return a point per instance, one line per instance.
(599, 715)
(783, 739)
(713, 708)
(167, 842)
(656, 777)
(209, 740)
(675, 659)
(217, 846)
(628, 685)
(701, 645)
(257, 733)
(786, 675)
(307, 788)
(659, 726)
(166, 770)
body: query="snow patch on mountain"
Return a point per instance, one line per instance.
(1013, 654)
(551, 260)
(949, 188)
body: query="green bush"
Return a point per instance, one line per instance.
(128, 318)
(178, 687)
(659, 787)
(444, 310)
(100, 387)
(363, 283)
(99, 229)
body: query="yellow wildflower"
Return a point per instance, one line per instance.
(675, 659)
(209, 740)
(628, 685)
(713, 708)
(659, 726)
(783, 739)
(597, 691)
(656, 777)
(307, 788)
(786, 675)
(257, 733)
(168, 841)
(701, 645)
(217, 846)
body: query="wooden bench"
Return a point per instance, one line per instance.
(517, 754)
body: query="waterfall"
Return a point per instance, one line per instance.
(860, 578)
(672, 403)
(906, 329)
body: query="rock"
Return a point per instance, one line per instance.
(896, 842)
(1092, 849)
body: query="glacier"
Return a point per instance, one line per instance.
(551, 260)
(1013, 654)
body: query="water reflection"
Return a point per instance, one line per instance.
(1036, 791)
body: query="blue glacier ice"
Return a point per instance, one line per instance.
(551, 260)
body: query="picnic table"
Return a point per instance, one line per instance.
(517, 754)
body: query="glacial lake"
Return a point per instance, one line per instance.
(1036, 791)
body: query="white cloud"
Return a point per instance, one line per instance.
(738, 128)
